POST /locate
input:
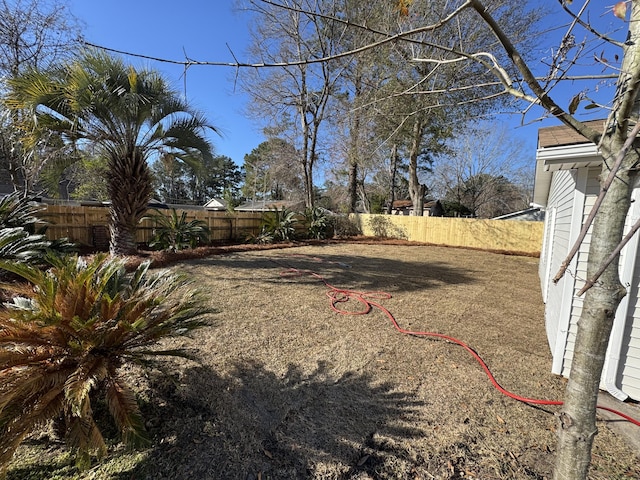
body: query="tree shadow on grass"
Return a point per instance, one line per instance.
(363, 272)
(256, 423)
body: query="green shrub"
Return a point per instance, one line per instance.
(279, 224)
(173, 232)
(263, 238)
(66, 344)
(19, 238)
(18, 211)
(317, 222)
(16, 244)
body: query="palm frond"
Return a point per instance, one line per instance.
(126, 413)
(19, 245)
(90, 372)
(18, 211)
(84, 436)
(26, 356)
(32, 404)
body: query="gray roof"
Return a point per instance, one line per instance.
(266, 205)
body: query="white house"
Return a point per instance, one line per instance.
(216, 204)
(531, 214)
(566, 185)
(270, 205)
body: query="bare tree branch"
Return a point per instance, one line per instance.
(237, 64)
(545, 100)
(577, 19)
(323, 59)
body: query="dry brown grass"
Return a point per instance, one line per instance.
(288, 389)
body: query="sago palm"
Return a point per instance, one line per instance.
(16, 244)
(67, 342)
(280, 224)
(19, 211)
(173, 232)
(124, 115)
(20, 240)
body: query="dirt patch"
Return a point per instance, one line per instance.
(286, 388)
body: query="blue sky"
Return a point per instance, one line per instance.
(203, 29)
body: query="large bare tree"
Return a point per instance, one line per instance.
(384, 99)
(293, 99)
(483, 170)
(361, 86)
(34, 33)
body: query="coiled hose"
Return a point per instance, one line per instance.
(370, 300)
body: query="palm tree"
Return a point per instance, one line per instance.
(125, 115)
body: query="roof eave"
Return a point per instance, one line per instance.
(565, 157)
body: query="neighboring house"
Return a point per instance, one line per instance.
(217, 204)
(566, 185)
(432, 208)
(533, 214)
(153, 203)
(266, 205)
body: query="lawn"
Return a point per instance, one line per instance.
(286, 388)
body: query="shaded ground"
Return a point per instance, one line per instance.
(288, 389)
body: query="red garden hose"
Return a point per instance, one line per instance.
(368, 302)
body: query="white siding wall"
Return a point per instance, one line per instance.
(561, 196)
(628, 378)
(544, 267)
(580, 273)
(629, 370)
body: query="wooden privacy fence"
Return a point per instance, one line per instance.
(89, 225)
(498, 235)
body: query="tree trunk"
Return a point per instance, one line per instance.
(353, 186)
(353, 155)
(129, 187)
(416, 190)
(310, 137)
(364, 199)
(577, 422)
(308, 183)
(393, 167)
